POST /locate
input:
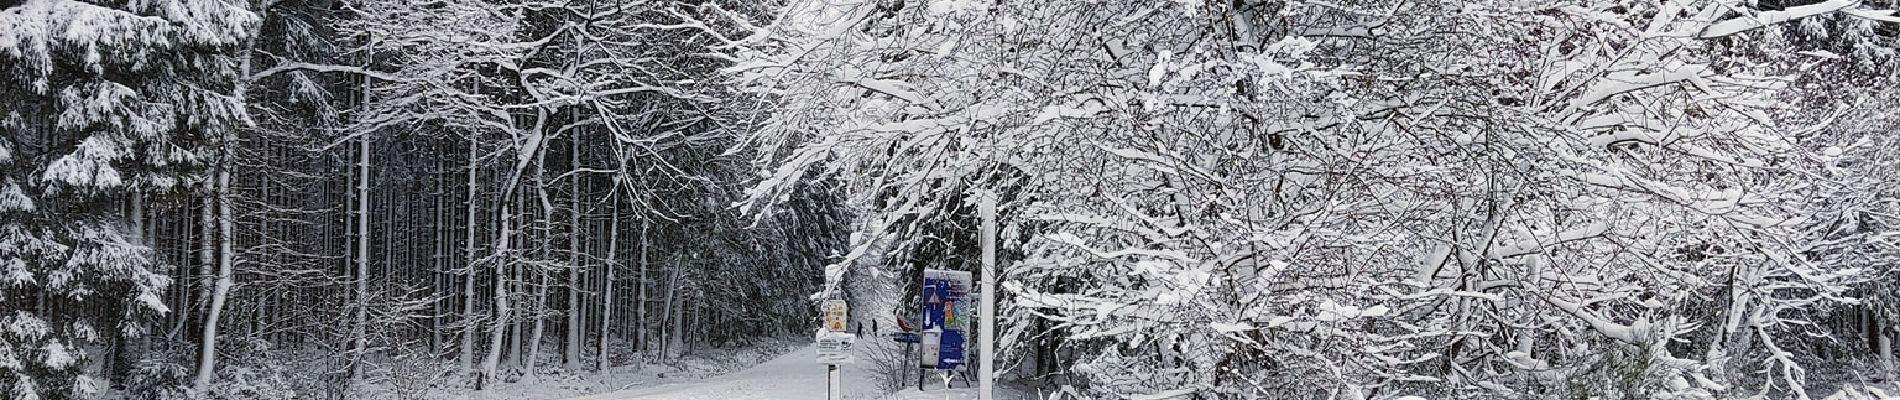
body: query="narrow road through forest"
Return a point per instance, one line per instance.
(793, 376)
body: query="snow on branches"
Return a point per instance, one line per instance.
(103, 101)
(1343, 200)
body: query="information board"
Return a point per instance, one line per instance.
(835, 348)
(947, 309)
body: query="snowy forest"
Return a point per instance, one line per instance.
(1199, 199)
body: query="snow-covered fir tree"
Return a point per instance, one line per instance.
(108, 103)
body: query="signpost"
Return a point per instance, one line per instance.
(834, 345)
(945, 322)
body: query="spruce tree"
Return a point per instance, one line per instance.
(107, 101)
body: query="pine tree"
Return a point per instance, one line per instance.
(105, 100)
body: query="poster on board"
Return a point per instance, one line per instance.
(947, 309)
(835, 312)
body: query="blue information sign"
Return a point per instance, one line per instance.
(946, 311)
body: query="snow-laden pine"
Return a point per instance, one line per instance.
(104, 102)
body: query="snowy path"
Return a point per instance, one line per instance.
(793, 376)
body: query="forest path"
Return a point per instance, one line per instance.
(793, 376)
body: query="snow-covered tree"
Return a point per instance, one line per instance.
(522, 83)
(105, 102)
(1347, 200)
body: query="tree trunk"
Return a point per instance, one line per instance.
(1870, 329)
(500, 324)
(438, 252)
(666, 320)
(675, 343)
(642, 345)
(574, 271)
(1741, 278)
(671, 313)
(540, 304)
(516, 330)
(470, 322)
(207, 259)
(607, 287)
(137, 217)
(438, 258)
(359, 330)
(221, 286)
(525, 153)
(1886, 354)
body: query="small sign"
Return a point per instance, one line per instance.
(835, 348)
(950, 350)
(835, 311)
(904, 337)
(931, 346)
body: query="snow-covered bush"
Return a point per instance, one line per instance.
(888, 363)
(158, 379)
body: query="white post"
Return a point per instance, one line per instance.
(833, 390)
(986, 306)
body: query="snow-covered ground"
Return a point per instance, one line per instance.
(793, 376)
(628, 374)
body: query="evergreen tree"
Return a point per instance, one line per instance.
(107, 102)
